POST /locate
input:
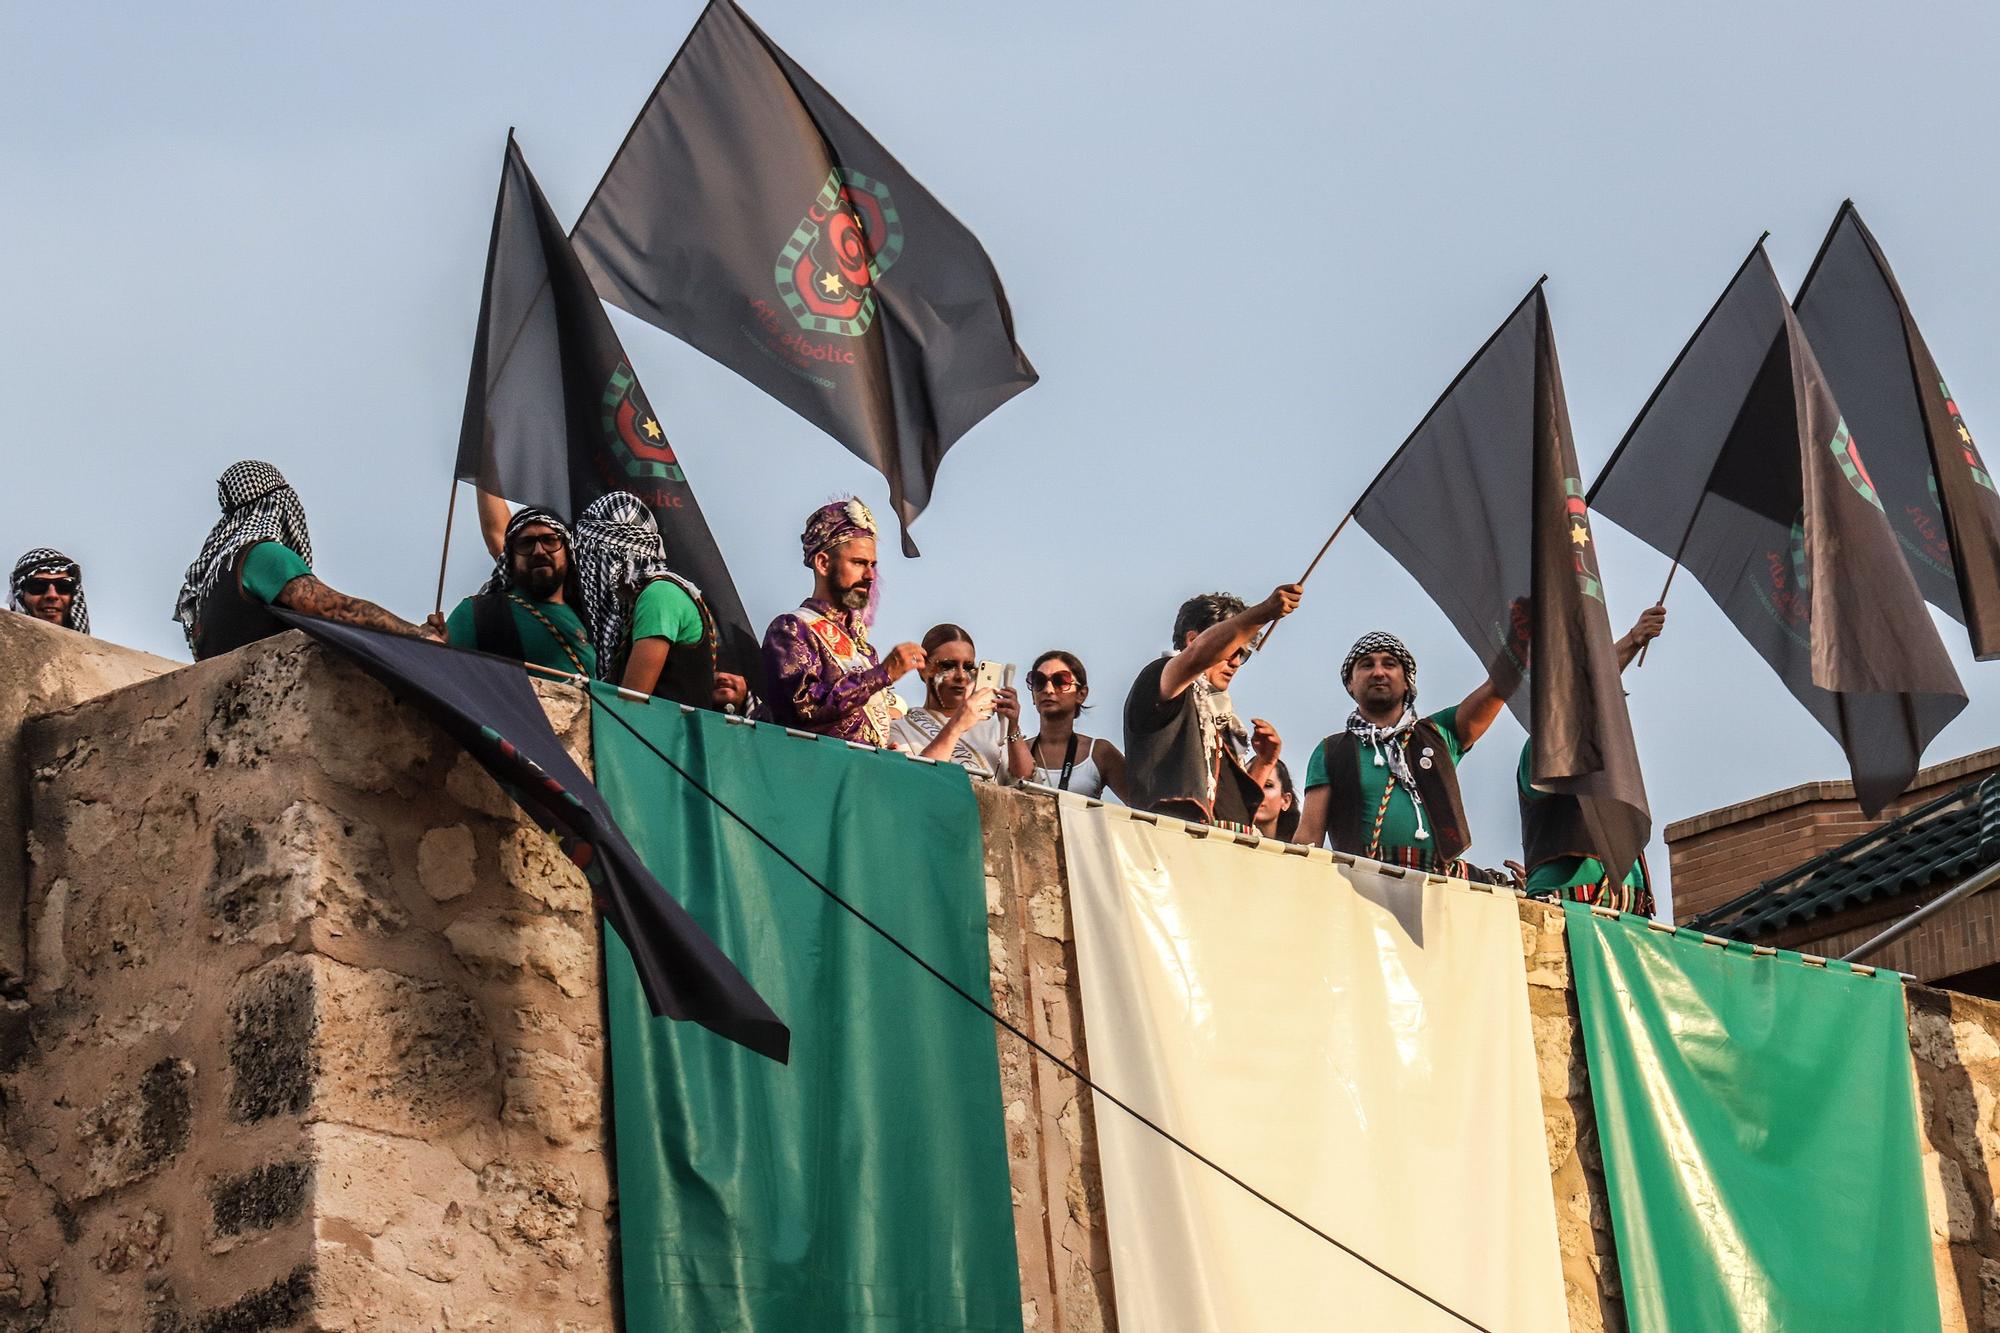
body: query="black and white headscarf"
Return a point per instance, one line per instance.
(48, 563)
(618, 550)
(501, 578)
(258, 505)
(1391, 743)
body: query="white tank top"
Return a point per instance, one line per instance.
(1084, 778)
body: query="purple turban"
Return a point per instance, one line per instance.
(834, 523)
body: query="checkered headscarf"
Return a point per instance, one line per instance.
(47, 562)
(501, 578)
(618, 548)
(258, 505)
(1379, 642)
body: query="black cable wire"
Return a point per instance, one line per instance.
(1032, 1044)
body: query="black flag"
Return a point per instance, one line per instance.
(749, 214)
(1742, 469)
(488, 706)
(1938, 494)
(1484, 506)
(553, 413)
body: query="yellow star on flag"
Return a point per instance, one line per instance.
(1965, 434)
(830, 284)
(652, 428)
(1578, 535)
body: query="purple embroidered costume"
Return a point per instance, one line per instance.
(820, 672)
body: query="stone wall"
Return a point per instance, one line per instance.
(43, 669)
(314, 1033)
(314, 1039)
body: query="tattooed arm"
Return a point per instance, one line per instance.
(309, 597)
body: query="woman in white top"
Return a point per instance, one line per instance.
(1063, 758)
(980, 730)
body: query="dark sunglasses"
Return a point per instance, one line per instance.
(1240, 656)
(1062, 682)
(547, 541)
(41, 587)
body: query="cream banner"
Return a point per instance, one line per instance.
(1352, 1043)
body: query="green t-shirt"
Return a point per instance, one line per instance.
(268, 567)
(665, 611)
(1399, 824)
(1564, 872)
(537, 644)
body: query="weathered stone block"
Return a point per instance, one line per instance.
(258, 1200)
(447, 862)
(536, 867)
(132, 1133)
(552, 1094)
(516, 942)
(398, 1054)
(310, 864)
(273, 1020)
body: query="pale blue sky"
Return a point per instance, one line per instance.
(1246, 247)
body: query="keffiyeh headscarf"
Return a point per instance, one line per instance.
(501, 578)
(258, 505)
(618, 547)
(48, 563)
(834, 523)
(1391, 743)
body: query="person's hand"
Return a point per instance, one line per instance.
(1007, 704)
(432, 628)
(1651, 621)
(1283, 600)
(978, 706)
(1264, 740)
(730, 690)
(1518, 872)
(903, 659)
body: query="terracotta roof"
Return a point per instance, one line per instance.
(1937, 844)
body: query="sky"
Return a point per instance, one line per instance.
(1245, 247)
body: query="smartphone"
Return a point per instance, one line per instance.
(993, 676)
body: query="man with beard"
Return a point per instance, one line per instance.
(820, 673)
(1386, 787)
(1187, 754)
(257, 555)
(527, 609)
(48, 585)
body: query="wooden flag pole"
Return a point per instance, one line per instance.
(1266, 633)
(444, 555)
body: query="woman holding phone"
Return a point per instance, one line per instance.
(1064, 758)
(978, 729)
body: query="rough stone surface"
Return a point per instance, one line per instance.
(43, 669)
(1955, 1050)
(250, 1083)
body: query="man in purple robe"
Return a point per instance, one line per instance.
(820, 672)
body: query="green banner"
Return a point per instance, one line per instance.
(864, 1186)
(1758, 1123)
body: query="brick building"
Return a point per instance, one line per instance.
(1804, 869)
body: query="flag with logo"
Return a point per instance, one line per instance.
(1935, 488)
(748, 214)
(553, 413)
(1484, 507)
(1742, 469)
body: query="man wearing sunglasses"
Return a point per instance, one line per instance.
(1187, 754)
(526, 609)
(48, 585)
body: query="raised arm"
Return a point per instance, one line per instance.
(1224, 639)
(1651, 621)
(1477, 711)
(493, 522)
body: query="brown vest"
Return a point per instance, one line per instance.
(1348, 823)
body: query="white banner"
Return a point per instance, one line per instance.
(1350, 1042)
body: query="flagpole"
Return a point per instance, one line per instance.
(449, 510)
(1675, 568)
(1328, 545)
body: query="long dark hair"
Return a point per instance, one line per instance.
(1288, 818)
